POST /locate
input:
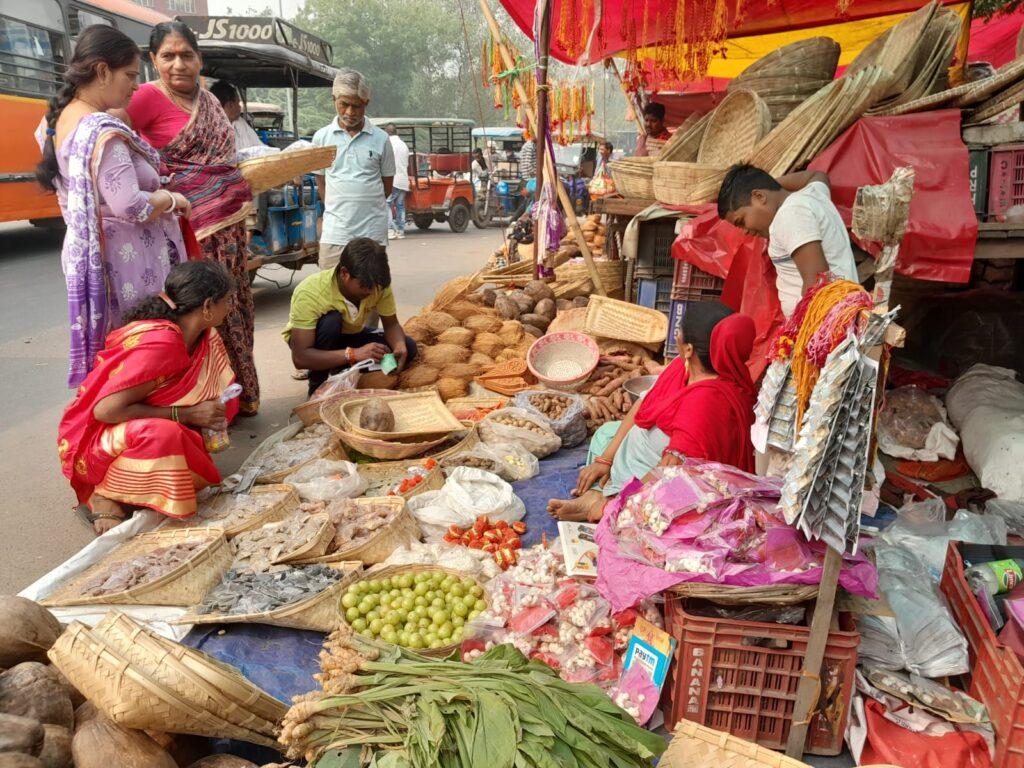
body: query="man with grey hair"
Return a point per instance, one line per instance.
(355, 188)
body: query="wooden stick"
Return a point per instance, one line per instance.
(544, 45)
(549, 167)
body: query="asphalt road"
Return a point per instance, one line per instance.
(37, 527)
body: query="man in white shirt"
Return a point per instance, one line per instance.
(231, 103)
(806, 235)
(400, 185)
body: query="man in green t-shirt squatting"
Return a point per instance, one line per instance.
(334, 315)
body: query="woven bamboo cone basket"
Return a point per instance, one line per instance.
(132, 698)
(265, 173)
(185, 585)
(402, 531)
(279, 510)
(387, 571)
(143, 651)
(309, 412)
(319, 613)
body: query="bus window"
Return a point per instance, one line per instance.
(31, 59)
(80, 18)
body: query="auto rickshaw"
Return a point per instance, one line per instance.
(284, 227)
(439, 161)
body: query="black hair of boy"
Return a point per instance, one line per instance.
(367, 261)
(740, 181)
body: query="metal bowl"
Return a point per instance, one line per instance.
(639, 386)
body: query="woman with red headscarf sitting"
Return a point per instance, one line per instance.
(701, 407)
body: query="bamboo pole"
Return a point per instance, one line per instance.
(544, 46)
(549, 169)
(632, 98)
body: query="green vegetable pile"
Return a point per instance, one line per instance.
(423, 610)
(387, 707)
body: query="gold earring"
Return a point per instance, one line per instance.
(207, 315)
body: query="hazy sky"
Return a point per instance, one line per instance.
(244, 7)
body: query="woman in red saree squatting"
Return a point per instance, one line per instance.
(701, 407)
(197, 150)
(130, 437)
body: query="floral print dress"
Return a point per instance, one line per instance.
(137, 255)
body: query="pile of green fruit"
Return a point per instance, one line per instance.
(413, 610)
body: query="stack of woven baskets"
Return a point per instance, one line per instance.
(141, 680)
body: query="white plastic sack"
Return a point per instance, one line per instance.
(986, 405)
(912, 425)
(328, 479)
(540, 444)
(571, 428)
(466, 494)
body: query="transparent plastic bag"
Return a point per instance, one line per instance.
(571, 427)
(912, 425)
(1012, 513)
(510, 462)
(540, 441)
(327, 479)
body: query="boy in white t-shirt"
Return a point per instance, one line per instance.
(806, 235)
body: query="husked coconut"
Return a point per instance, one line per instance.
(101, 743)
(21, 734)
(547, 308)
(32, 690)
(56, 751)
(27, 631)
(507, 309)
(376, 415)
(537, 321)
(538, 289)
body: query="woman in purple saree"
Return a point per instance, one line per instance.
(122, 234)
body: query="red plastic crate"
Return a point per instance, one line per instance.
(997, 675)
(741, 677)
(690, 277)
(1005, 178)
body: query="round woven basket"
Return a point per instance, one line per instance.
(634, 177)
(387, 571)
(309, 411)
(319, 613)
(265, 173)
(815, 57)
(686, 183)
(132, 698)
(185, 585)
(228, 681)
(143, 651)
(735, 127)
(389, 450)
(563, 360)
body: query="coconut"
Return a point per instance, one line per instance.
(507, 309)
(522, 300)
(461, 337)
(21, 734)
(56, 751)
(449, 388)
(563, 304)
(537, 321)
(19, 760)
(438, 322)
(27, 631)
(443, 354)
(77, 699)
(547, 308)
(460, 310)
(222, 761)
(377, 416)
(532, 330)
(417, 375)
(581, 301)
(487, 296)
(32, 690)
(101, 743)
(483, 323)
(538, 289)
(86, 712)
(416, 329)
(377, 380)
(462, 371)
(511, 333)
(507, 355)
(481, 361)
(489, 344)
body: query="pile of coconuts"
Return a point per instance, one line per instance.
(46, 723)
(534, 305)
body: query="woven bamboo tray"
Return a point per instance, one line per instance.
(287, 501)
(613, 319)
(686, 183)
(332, 450)
(183, 586)
(129, 696)
(385, 450)
(375, 474)
(319, 613)
(265, 173)
(150, 655)
(419, 415)
(634, 177)
(737, 124)
(774, 594)
(402, 531)
(612, 274)
(309, 411)
(814, 57)
(462, 407)
(387, 571)
(225, 679)
(315, 546)
(457, 442)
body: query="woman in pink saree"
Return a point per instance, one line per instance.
(197, 148)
